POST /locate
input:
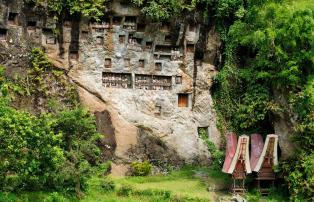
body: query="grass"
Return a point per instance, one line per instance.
(187, 185)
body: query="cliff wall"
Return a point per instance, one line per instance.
(147, 83)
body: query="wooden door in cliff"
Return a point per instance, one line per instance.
(183, 100)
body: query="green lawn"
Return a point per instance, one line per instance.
(189, 184)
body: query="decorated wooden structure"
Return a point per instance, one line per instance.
(257, 145)
(237, 161)
(267, 159)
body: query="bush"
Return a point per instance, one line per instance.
(216, 155)
(46, 152)
(299, 174)
(12, 183)
(80, 137)
(30, 151)
(102, 169)
(7, 197)
(125, 190)
(253, 196)
(55, 197)
(107, 185)
(141, 168)
(153, 193)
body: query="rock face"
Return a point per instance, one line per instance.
(150, 93)
(283, 124)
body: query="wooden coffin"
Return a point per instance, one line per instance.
(268, 157)
(240, 164)
(230, 151)
(257, 145)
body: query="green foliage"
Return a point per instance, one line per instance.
(253, 196)
(253, 108)
(299, 173)
(107, 185)
(141, 168)
(160, 10)
(266, 58)
(8, 88)
(153, 193)
(279, 194)
(303, 105)
(102, 169)
(227, 9)
(49, 151)
(79, 142)
(88, 8)
(125, 190)
(30, 151)
(7, 197)
(55, 197)
(39, 61)
(268, 72)
(216, 155)
(37, 83)
(4, 87)
(40, 64)
(46, 152)
(188, 184)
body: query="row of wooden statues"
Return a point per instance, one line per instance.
(239, 161)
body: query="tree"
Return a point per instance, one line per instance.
(160, 10)
(87, 8)
(268, 52)
(79, 142)
(30, 152)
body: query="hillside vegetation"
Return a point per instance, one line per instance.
(268, 53)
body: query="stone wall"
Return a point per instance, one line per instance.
(139, 77)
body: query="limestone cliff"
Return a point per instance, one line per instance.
(147, 83)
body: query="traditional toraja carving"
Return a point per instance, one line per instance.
(264, 166)
(237, 162)
(230, 151)
(241, 159)
(269, 153)
(257, 145)
(263, 158)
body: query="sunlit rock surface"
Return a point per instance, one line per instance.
(145, 82)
